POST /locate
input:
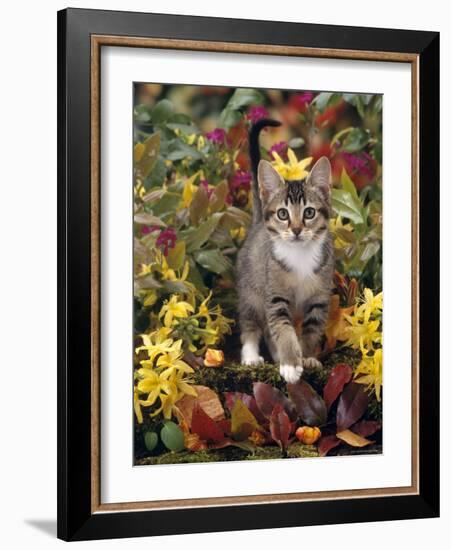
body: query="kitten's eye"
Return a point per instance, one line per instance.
(309, 213)
(282, 214)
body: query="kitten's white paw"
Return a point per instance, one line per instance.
(311, 362)
(251, 359)
(291, 374)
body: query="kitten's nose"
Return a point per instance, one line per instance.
(296, 230)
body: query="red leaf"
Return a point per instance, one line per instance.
(351, 406)
(280, 426)
(248, 400)
(338, 378)
(205, 427)
(268, 397)
(310, 406)
(366, 427)
(327, 443)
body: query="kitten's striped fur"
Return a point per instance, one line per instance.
(285, 267)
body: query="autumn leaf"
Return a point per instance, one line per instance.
(205, 427)
(206, 398)
(309, 405)
(352, 404)
(340, 375)
(353, 439)
(243, 421)
(248, 400)
(268, 397)
(366, 427)
(327, 443)
(280, 426)
(336, 324)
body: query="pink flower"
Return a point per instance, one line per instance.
(280, 148)
(218, 135)
(205, 185)
(362, 163)
(166, 239)
(301, 101)
(241, 180)
(256, 113)
(148, 229)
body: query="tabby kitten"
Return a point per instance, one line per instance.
(286, 264)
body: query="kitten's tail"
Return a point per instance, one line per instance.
(254, 153)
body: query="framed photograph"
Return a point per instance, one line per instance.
(248, 274)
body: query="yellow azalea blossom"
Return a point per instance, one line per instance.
(181, 384)
(171, 361)
(191, 139)
(157, 343)
(294, 169)
(371, 305)
(200, 142)
(150, 298)
(203, 308)
(369, 371)
(174, 308)
(362, 333)
(189, 190)
(167, 404)
(153, 384)
(336, 223)
(144, 269)
(137, 406)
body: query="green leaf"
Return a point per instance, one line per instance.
(295, 143)
(187, 129)
(355, 141)
(234, 218)
(148, 156)
(195, 239)
(199, 205)
(345, 205)
(217, 200)
(322, 100)
(158, 174)
(148, 219)
(243, 97)
(242, 420)
(162, 112)
(167, 204)
(229, 118)
(179, 150)
(213, 260)
(370, 249)
(142, 114)
(150, 441)
(172, 436)
(348, 185)
(176, 255)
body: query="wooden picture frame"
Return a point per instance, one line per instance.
(81, 35)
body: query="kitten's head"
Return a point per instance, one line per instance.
(296, 211)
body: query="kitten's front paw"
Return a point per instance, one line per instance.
(249, 359)
(291, 374)
(311, 362)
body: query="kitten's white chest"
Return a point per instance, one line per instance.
(302, 260)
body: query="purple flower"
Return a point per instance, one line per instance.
(218, 135)
(362, 163)
(280, 148)
(256, 113)
(148, 229)
(241, 180)
(166, 239)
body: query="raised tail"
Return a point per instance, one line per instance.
(254, 154)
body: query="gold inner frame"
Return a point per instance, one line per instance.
(97, 41)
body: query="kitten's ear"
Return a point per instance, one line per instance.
(269, 180)
(320, 176)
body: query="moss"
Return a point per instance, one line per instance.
(296, 450)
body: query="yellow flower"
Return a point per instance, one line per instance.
(336, 223)
(294, 169)
(369, 371)
(189, 189)
(181, 384)
(171, 361)
(200, 142)
(174, 308)
(156, 343)
(203, 308)
(153, 384)
(371, 305)
(137, 406)
(167, 404)
(150, 298)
